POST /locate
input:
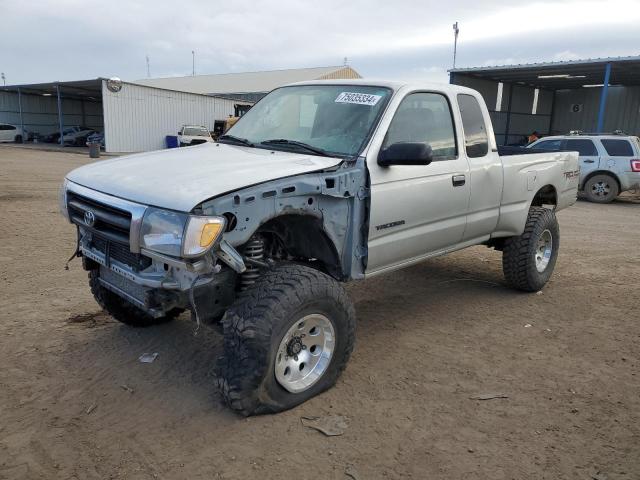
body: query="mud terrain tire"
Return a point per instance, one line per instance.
(526, 261)
(258, 324)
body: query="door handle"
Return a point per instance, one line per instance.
(589, 161)
(458, 180)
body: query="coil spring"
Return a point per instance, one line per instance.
(254, 249)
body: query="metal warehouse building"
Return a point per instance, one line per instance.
(600, 95)
(251, 86)
(134, 117)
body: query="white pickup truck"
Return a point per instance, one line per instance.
(319, 183)
(190, 135)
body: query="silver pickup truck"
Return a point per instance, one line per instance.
(319, 183)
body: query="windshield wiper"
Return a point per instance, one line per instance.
(232, 138)
(295, 143)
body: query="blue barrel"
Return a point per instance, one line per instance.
(172, 141)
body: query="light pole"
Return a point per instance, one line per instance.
(193, 63)
(4, 79)
(456, 30)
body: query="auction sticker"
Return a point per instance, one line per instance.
(358, 98)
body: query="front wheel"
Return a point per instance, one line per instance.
(286, 340)
(529, 259)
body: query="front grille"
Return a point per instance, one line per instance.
(119, 252)
(109, 233)
(110, 222)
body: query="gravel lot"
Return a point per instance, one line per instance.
(75, 402)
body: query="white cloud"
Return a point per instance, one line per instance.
(565, 55)
(71, 39)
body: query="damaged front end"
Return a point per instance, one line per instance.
(320, 219)
(111, 240)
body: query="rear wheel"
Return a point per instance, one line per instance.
(286, 340)
(601, 188)
(122, 310)
(529, 259)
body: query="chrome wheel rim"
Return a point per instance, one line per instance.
(544, 249)
(601, 189)
(305, 353)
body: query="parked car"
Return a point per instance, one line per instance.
(54, 137)
(78, 138)
(12, 133)
(193, 135)
(319, 183)
(609, 163)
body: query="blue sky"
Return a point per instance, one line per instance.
(46, 40)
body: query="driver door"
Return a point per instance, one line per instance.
(418, 210)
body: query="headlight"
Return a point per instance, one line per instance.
(201, 233)
(178, 234)
(62, 199)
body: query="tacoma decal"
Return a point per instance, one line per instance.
(390, 225)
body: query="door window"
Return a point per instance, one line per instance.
(618, 148)
(583, 146)
(552, 145)
(425, 117)
(476, 139)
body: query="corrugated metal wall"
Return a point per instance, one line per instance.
(622, 111)
(137, 118)
(40, 113)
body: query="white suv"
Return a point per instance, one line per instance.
(609, 163)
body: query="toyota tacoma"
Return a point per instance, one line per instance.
(320, 183)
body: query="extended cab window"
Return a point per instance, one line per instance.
(476, 139)
(424, 117)
(583, 146)
(618, 148)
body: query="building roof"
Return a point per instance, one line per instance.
(81, 89)
(561, 75)
(248, 82)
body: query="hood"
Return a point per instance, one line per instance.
(181, 178)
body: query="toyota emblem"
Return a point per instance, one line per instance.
(89, 218)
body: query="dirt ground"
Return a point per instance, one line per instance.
(76, 403)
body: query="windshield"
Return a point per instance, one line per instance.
(335, 118)
(195, 132)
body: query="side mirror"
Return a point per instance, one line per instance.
(406, 153)
(179, 132)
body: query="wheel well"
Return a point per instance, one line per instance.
(303, 237)
(547, 195)
(601, 172)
